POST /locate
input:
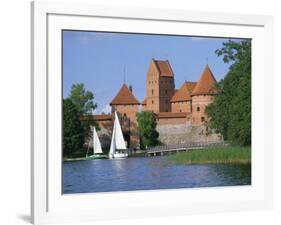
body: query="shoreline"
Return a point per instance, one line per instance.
(220, 155)
(74, 159)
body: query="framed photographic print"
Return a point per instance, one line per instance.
(145, 112)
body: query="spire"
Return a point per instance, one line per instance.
(124, 97)
(206, 83)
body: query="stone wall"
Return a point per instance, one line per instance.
(183, 134)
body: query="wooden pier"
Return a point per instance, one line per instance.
(170, 149)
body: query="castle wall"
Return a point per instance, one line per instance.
(184, 134)
(184, 106)
(171, 121)
(199, 104)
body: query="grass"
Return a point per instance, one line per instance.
(215, 155)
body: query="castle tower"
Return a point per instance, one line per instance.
(160, 87)
(202, 95)
(127, 106)
(125, 103)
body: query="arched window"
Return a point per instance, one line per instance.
(202, 119)
(198, 109)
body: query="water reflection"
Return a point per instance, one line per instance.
(148, 174)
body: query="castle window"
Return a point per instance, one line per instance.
(180, 110)
(125, 114)
(152, 91)
(152, 102)
(198, 108)
(202, 119)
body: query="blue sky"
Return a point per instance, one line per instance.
(98, 59)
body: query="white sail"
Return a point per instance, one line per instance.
(117, 141)
(96, 143)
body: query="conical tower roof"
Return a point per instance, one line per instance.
(206, 84)
(124, 97)
(183, 94)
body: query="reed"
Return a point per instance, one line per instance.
(215, 155)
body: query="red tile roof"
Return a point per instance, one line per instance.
(184, 93)
(164, 68)
(124, 97)
(206, 83)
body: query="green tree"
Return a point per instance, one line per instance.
(147, 129)
(82, 99)
(84, 102)
(230, 113)
(73, 133)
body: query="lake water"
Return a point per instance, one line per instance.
(148, 173)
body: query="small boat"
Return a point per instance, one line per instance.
(118, 147)
(97, 150)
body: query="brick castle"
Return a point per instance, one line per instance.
(174, 108)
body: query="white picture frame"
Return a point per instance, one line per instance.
(47, 202)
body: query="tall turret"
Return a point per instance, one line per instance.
(160, 86)
(202, 95)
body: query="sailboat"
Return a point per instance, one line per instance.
(118, 147)
(97, 150)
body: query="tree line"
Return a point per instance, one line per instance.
(230, 112)
(79, 103)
